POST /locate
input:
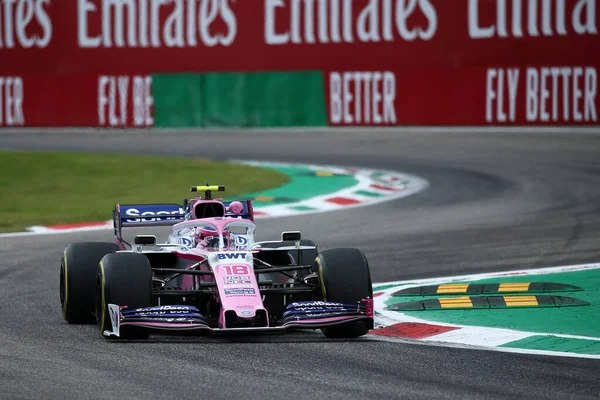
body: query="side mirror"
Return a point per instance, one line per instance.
(293, 236)
(145, 240)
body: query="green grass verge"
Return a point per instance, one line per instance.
(45, 188)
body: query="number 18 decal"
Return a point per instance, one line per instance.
(236, 269)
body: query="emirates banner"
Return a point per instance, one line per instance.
(381, 62)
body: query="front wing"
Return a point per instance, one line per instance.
(299, 315)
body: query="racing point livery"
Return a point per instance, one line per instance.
(210, 276)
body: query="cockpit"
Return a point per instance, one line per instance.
(214, 234)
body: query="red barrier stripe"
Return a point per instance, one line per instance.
(77, 225)
(344, 201)
(412, 330)
(381, 187)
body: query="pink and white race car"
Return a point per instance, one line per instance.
(210, 276)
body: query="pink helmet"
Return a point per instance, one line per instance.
(236, 207)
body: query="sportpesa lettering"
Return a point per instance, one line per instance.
(315, 304)
(181, 319)
(165, 308)
(319, 310)
(160, 313)
(134, 212)
(324, 315)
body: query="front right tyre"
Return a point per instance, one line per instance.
(345, 277)
(124, 279)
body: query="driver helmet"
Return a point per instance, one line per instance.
(236, 207)
(207, 237)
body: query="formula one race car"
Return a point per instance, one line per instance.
(210, 276)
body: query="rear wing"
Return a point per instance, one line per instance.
(168, 214)
(131, 215)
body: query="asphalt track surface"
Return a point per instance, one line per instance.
(497, 201)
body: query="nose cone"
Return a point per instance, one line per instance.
(246, 319)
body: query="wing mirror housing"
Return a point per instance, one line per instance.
(145, 240)
(293, 236)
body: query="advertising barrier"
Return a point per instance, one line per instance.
(298, 62)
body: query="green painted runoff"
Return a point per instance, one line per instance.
(582, 320)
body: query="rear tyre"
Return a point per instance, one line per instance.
(345, 277)
(124, 279)
(77, 279)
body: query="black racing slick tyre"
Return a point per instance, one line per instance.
(77, 279)
(345, 277)
(124, 279)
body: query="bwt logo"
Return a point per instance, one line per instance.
(232, 256)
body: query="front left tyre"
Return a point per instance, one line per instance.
(78, 279)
